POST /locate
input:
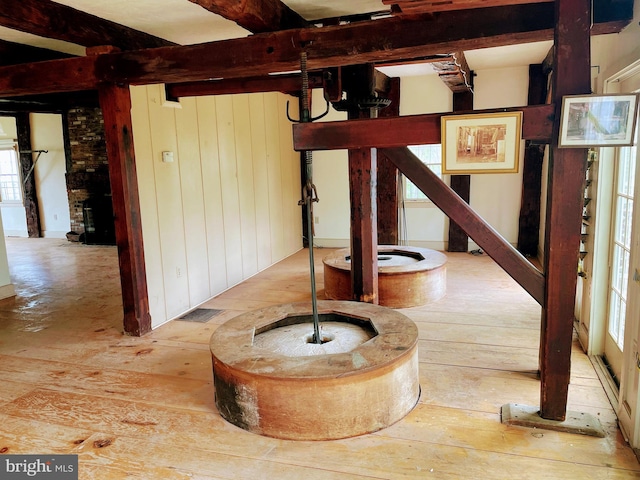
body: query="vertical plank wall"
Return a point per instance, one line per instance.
(226, 207)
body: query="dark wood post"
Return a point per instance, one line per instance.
(358, 81)
(388, 178)
(461, 184)
(567, 169)
(529, 222)
(23, 127)
(115, 101)
(364, 240)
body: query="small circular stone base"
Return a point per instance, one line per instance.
(270, 380)
(407, 276)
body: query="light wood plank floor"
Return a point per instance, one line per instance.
(142, 408)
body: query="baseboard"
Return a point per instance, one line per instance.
(16, 233)
(54, 234)
(7, 291)
(330, 242)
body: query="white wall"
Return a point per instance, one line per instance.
(6, 287)
(14, 219)
(50, 169)
(226, 207)
(426, 225)
(331, 178)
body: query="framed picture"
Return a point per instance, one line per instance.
(481, 143)
(598, 120)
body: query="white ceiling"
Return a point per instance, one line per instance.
(184, 22)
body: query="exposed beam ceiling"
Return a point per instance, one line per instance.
(54, 20)
(290, 84)
(264, 54)
(415, 7)
(13, 53)
(257, 16)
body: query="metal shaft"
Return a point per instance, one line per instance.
(305, 117)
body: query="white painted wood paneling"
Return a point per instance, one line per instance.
(246, 196)
(169, 201)
(192, 201)
(274, 180)
(260, 179)
(226, 207)
(212, 194)
(230, 193)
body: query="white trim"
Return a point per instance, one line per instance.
(7, 291)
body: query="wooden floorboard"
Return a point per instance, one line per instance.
(143, 408)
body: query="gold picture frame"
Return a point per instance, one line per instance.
(481, 143)
(598, 120)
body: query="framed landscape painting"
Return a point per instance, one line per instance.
(481, 143)
(598, 120)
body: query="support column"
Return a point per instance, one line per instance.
(364, 239)
(461, 184)
(529, 222)
(115, 102)
(567, 169)
(23, 127)
(388, 178)
(358, 81)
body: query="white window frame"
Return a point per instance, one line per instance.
(407, 184)
(13, 146)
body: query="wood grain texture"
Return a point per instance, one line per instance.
(256, 15)
(54, 20)
(563, 220)
(116, 110)
(537, 123)
(400, 284)
(81, 381)
(30, 195)
(483, 234)
(316, 396)
(261, 54)
(364, 223)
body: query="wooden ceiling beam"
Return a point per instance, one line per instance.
(290, 84)
(14, 53)
(54, 20)
(537, 123)
(257, 16)
(262, 54)
(50, 103)
(414, 7)
(455, 72)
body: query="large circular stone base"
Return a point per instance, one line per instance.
(270, 380)
(407, 276)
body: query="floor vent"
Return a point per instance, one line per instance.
(201, 315)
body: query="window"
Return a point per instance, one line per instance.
(431, 156)
(10, 188)
(621, 245)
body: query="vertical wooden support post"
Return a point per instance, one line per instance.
(23, 127)
(529, 222)
(461, 184)
(388, 178)
(115, 101)
(358, 81)
(364, 239)
(567, 169)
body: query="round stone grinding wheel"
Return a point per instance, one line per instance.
(407, 276)
(362, 379)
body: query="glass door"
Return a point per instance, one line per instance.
(620, 254)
